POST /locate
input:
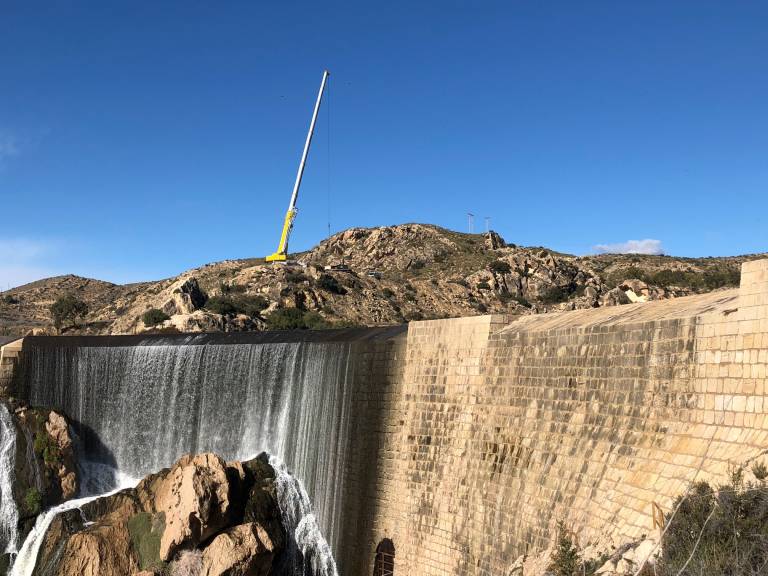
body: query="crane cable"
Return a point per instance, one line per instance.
(328, 144)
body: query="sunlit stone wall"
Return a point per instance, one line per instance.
(493, 430)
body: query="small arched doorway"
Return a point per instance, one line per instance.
(385, 559)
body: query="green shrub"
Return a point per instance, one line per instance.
(225, 288)
(387, 293)
(295, 319)
(295, 277)
(251, 305)
(555, 295)
(223, 305)
(9, 299)
(760, 470)
(723, 531)
(500, 267)
(239, 304)
(46, 448)
(330, 284)
(33, 501)
(483, 285)
(154, 316)
(67, 308)
(713, 277)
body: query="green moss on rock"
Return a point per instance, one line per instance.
(146, 530)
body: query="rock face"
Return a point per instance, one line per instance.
(46, 470)
(385, 275)
(202, 516)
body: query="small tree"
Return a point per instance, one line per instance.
(500, 267)
(67, 308)
(295, 319)
(565, 561)
(330, 284)
(154, 316)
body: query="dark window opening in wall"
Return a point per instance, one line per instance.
(385, 558)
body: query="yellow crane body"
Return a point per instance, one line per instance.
(282, 249)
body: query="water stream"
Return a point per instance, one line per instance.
(9, 514)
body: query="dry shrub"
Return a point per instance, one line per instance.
(189, 563)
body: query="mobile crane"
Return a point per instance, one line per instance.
(281, 255)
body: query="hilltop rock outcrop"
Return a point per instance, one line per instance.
(221, 519)
(375, 276)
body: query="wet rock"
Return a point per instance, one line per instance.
(46, 469)
(201, 516)
(194, 497)
(245, 550)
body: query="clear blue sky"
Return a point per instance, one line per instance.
(139, 139)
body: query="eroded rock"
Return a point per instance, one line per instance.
(201, 516)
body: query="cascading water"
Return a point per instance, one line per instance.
(9, 514)
(141, 406)
(307, 549)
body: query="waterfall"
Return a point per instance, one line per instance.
(141, 406)
(9, 514)
(306, 549)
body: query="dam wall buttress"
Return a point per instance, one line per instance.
(499, 429)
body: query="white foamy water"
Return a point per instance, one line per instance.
(9, 514)
(306, 549)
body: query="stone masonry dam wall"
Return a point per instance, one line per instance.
(497, 429)
(471, 437)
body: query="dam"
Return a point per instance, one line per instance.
(454, 445)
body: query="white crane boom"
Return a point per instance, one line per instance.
(282, 249)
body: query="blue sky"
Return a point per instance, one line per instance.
(139, 139)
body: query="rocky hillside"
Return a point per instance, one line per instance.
(369, 276)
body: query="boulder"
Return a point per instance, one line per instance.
(186, 297)
(201, 516)
(197, 321)
(194, 497)
(245, 550)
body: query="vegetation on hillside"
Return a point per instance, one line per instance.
(67, 309)
(153, 317)
(237, 303)
(710, 530)
(367, 276)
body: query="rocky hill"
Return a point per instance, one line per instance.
(369, 276)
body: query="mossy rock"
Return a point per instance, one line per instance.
(146, 530)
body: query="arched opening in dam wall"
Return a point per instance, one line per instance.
(463, 442)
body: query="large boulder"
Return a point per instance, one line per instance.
(201, 516)
(186, 297)
(245, 550)
(194, 498)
